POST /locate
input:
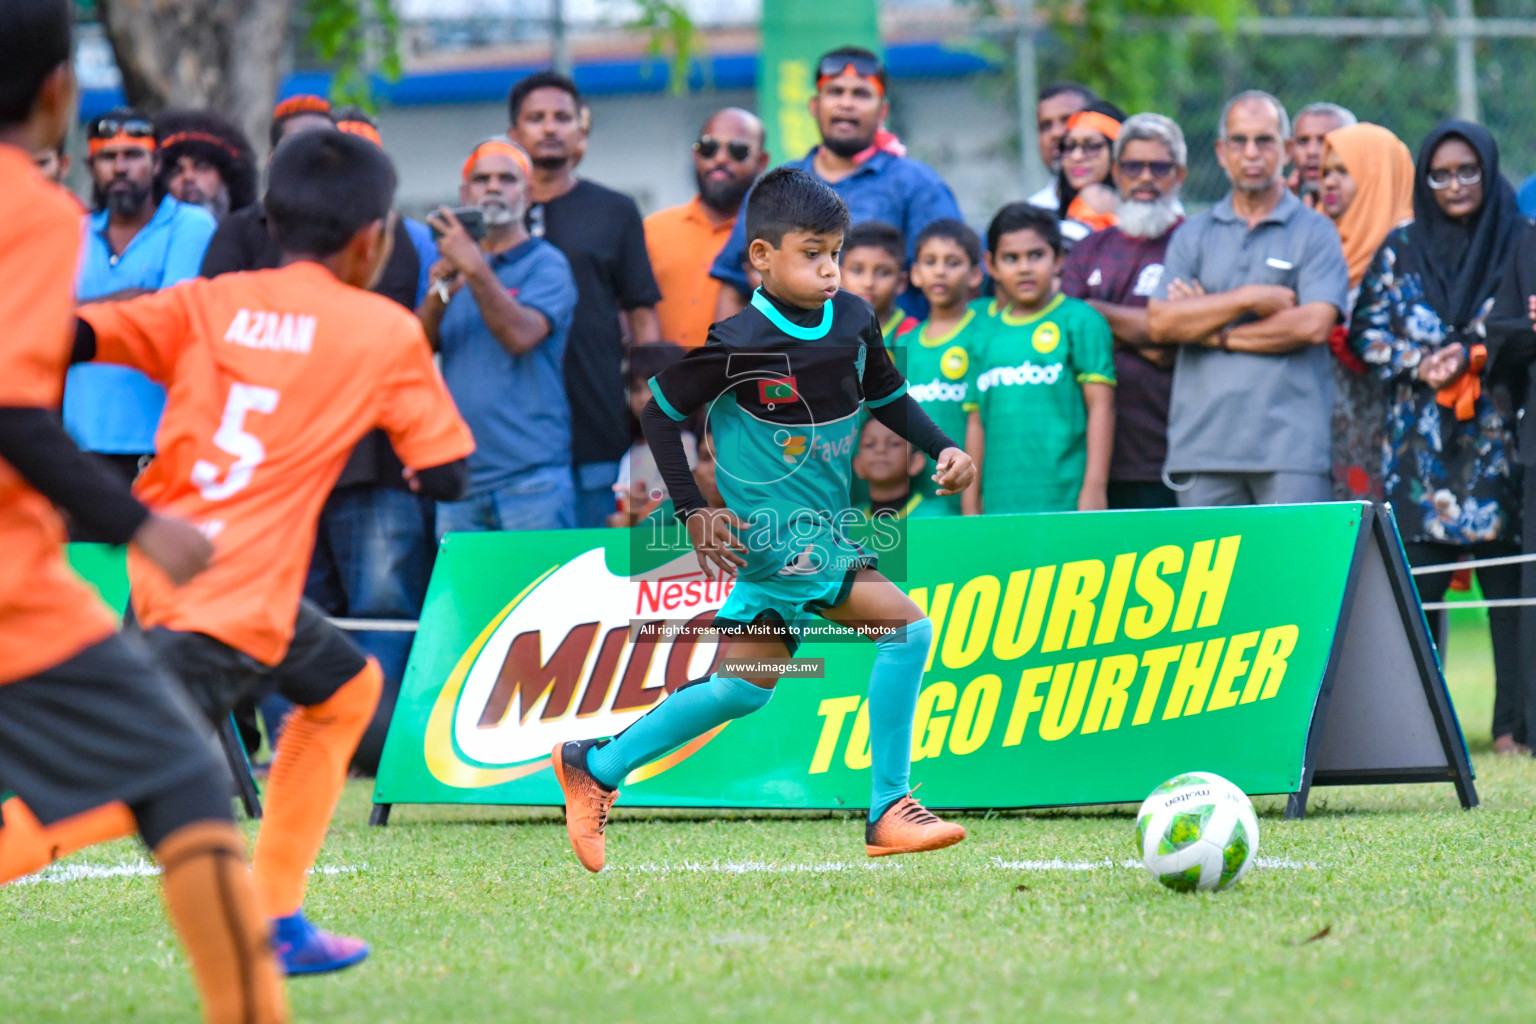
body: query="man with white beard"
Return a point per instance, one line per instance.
(500, 312)
(1115, 271)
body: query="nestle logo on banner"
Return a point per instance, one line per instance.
(688, 591)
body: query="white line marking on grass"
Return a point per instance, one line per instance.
(750, 867)
(1097, 865)
(60, 873)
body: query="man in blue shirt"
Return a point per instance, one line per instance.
(499, 311)
(133, 244)
(863, 164)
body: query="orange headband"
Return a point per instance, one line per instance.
(213, 140)
(1095, 121)
(505, 148)
(849, 69)
(302, 104)
(122, 139)
(362, 129)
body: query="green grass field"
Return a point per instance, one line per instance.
(1385, 905)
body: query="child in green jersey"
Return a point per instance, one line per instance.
(946, 268)
(875, 269)
(1041, 386)
(782, 384)
(887, 463)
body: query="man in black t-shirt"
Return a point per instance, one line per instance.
(602, 236)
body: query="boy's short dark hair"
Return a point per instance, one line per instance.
(325, 186)
(877, 234)
(787, 199)
(1025, 217)
(956, 231)
(549, 78)
(34, 39)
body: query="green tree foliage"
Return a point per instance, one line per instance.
(1107, 48)
(358, 39)
(671, 35)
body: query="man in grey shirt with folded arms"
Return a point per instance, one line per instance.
(1251, 290)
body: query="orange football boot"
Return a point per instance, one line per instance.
(909, 827)
(587, 803)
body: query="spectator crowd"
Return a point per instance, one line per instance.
(1350, 322)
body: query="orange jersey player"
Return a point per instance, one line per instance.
(272, 377)
(86, 719)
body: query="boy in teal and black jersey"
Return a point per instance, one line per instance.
(946, 268)
(782, 383)
(1041, 387)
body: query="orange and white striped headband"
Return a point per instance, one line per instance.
(1095, 121)
(502, 147)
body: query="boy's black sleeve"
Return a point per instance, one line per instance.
(908, 420)
(37, 447)
(665, 436)
(694, 381)
(883, 382)
(677, 393)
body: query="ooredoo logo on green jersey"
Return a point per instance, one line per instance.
(937, 391)
(1013, 376)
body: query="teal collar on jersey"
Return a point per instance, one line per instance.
(765, 306)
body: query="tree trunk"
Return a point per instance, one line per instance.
(223, 55)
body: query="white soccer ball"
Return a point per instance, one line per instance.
(1197, 831)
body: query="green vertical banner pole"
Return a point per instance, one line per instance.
(795, 33)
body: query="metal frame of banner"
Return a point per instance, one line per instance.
(1378, 526)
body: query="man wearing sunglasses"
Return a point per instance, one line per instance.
(137, 240)
(683, 241)
(1115, 271)
(861, 161)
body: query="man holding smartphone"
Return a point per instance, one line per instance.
(499, 310)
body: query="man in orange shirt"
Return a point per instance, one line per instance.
(273, 376)
(85, 717)
(683, 241)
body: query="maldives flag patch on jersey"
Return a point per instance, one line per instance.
(777, 389)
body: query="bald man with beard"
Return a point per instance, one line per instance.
(684, 240)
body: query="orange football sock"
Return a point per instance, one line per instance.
(27, 845)
(212, 903)
(307, 776)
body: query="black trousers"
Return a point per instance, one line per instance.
(1511, 702)
(1528, 614)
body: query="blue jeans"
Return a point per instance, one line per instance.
(594, 493)
(542, 499)
(373, 557)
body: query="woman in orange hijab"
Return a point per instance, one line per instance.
(1367, 189)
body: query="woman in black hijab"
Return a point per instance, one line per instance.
(1419, 325)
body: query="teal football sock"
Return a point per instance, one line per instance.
(690, 711)
(893, 685)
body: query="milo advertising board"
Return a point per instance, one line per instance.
(1077, 658)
